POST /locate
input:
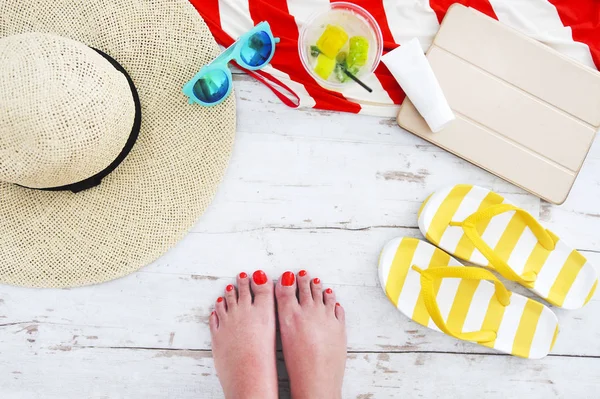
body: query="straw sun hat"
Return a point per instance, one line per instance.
(103, 164)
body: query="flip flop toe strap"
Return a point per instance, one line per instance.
(429, 276)
(469, 226)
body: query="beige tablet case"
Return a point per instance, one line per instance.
(523, 111)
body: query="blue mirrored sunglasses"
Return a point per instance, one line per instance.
(213, 83)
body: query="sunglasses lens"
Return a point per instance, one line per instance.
(212, 86)
(257, 49)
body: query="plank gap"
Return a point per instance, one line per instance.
(350, 352)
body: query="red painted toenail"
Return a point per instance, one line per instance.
(302, 273)
(287, 279)
(220, 299)
(243, 275)
(329, 291)
(212, 313)
(229, 288)
(259, 277)
(337, 304)
(316, 280)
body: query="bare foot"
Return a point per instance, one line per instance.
(243, 339)
(313, 336)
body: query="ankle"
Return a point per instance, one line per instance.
(256, 395)
(253, 393)
(310, 393)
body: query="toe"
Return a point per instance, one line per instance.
(243, 283)
(231, 297)
(340, 313)
(317, 290)
(329, 298)
(213, 322)
(262, 287)
(285, 290)
(220, 308)
(304, 290)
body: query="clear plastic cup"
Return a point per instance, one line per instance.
(356, 21)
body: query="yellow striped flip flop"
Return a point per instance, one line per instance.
(481, 227)
(435, 290)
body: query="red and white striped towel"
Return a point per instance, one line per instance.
(572, 27)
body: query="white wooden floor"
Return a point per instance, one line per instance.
(305, 189)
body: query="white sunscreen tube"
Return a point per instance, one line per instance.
(413, 72)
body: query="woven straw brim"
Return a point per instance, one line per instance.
(61, 239)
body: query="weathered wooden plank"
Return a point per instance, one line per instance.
(166, 305)
(295, 181)
(129, 373)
